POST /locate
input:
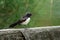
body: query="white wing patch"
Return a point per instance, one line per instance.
(26, 22)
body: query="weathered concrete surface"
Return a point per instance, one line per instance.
(38, 33)
(11, 35)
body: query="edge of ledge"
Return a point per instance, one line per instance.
(45, 27)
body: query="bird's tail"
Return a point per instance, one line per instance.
(14, 24)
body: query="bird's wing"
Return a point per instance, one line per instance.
(14, 24)
(23, 19)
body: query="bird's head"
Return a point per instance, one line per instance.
(28, 14)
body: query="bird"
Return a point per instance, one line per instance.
(23, 21)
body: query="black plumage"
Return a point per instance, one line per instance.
(21, 20)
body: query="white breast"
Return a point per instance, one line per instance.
(26, 22)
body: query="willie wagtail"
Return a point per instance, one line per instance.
(24, 21)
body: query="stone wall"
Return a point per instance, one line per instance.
(11, 35)
(38, 33)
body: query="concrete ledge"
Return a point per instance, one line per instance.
(37, 33)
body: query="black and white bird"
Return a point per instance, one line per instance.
(24, 21)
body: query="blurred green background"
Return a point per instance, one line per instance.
(44, 12)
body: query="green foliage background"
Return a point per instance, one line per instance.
(44, 12)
